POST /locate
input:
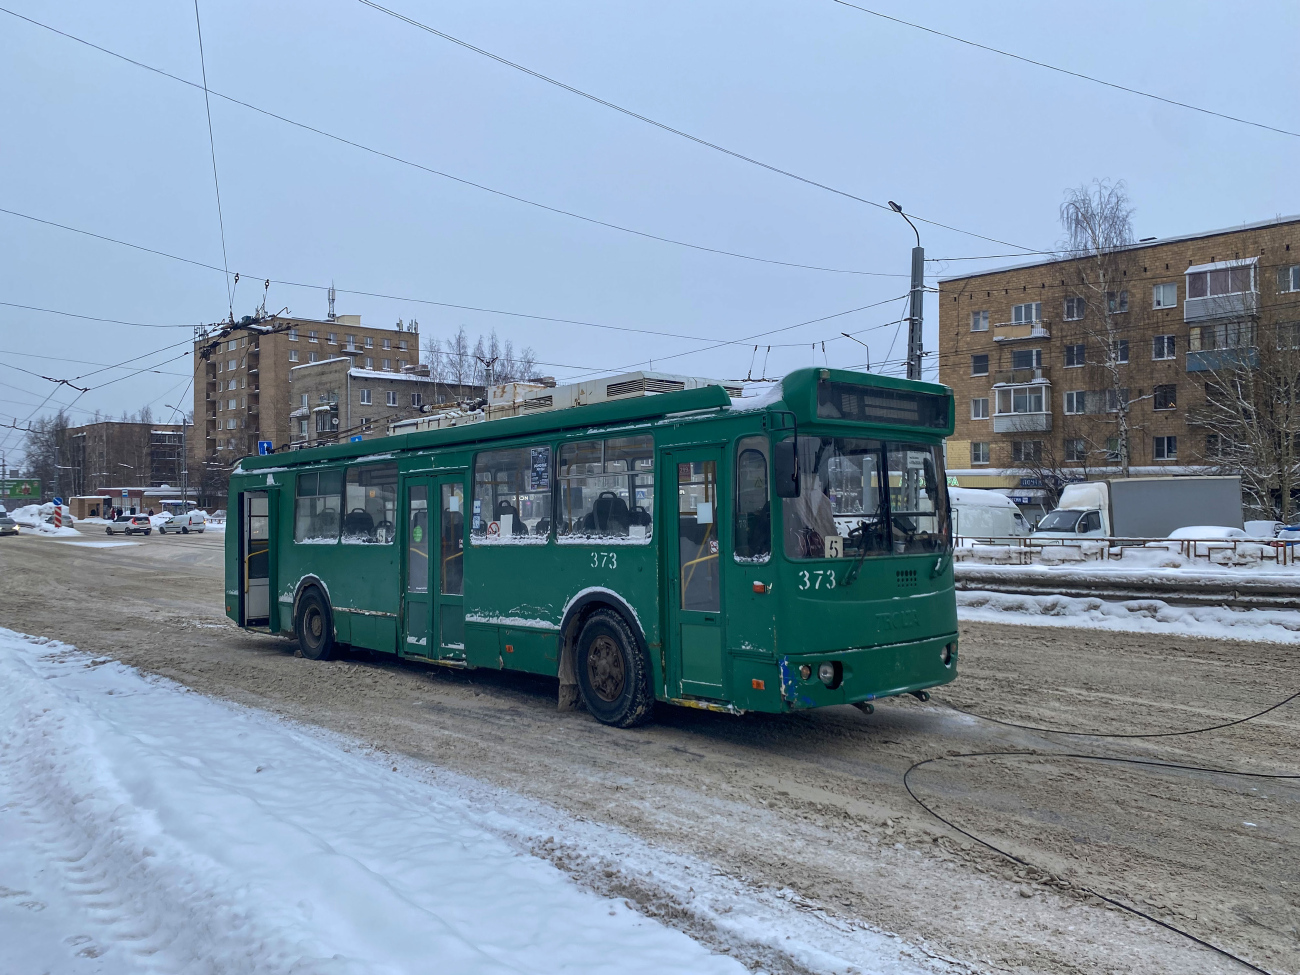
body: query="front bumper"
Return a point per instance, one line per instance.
(867, 673)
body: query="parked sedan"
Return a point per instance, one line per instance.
(130, 525)
(8, 526)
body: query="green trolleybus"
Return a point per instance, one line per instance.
(775, 553)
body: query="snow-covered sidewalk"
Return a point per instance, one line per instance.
(144, 827)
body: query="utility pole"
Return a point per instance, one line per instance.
(915, 301)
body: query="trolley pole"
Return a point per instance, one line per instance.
(916, 300)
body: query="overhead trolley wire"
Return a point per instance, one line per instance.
(212, 145)
(668, 128)
(1066, 71)
(343, 140)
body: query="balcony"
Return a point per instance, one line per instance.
(1022, 423)
(1213, 359)
(1242, 305)
(1012, 331)
(1019, 377)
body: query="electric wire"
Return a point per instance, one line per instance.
(668, 128)
(212, 145)
(1066, 71)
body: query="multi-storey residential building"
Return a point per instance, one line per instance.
(111, 452)
(1032, 354)
(340, 398)
(242, 392)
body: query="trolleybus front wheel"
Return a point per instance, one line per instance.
(613, 673)
(315, 629)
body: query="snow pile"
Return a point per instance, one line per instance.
(34, 515)
(152, 828)
(1132, 616)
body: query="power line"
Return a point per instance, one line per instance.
(89, 318)
(668, 128)
(343, 140)
(212, 145)
(1065, 71)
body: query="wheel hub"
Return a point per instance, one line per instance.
(605, 668)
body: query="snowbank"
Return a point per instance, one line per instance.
(1132, 616)
(157, 829)
(33, 516)
(1158, 567)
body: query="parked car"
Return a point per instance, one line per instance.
(1205, 536)
(1264, 529)
(979, 515)
(190, 521)
(130, 525)
(7, 525)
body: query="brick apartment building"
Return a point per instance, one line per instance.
(243, 393)
(97, 456)
(340, 398)
(1020, 349)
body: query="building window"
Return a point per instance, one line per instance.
(1166, 448)
(417, 399)
(979, 321)
(1214, 446)
(370, 342)
(1027, 359)
(325, 421)
(401, 364)
(302, 428)
(1074, 355)
(391, 398)
(230, 425)
(1076, 402)
(332, 338)
(230, 385)
(1029, 312)
(231, 365)
(1026, 451)
(979, 452)
(370, 362)
(1164, 346)
(293, 355)
(1074, 308)
(1288, 278)
(388, 364)
(1114, 399)
(311, 336)
(1165, 397)
(230, 404)
(1119, 350)
(979, 408)
(388, 344)
(1226, 335)
(1288, 335)
(401, 345)
(1164, 295)
(351, 341)
(1076, 450)
(365, 396)
(1021, 399)
(293, 335)
(1222, 281)
(979, 365)
(1116, 302)
(311, 357)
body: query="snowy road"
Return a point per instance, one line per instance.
(146, 827)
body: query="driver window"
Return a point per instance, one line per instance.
(1091, 522)
(607, 489)
(369, 504)
(753, 507)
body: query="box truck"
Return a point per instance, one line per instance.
(1143, 507)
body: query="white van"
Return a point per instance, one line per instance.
(984, 515)
(189, 521)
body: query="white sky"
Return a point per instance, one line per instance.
(957, 135)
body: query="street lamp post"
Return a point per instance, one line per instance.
(917, 297)
(185, 456)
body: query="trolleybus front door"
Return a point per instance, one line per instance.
(433, 608)
(695, 571)
(256, 558)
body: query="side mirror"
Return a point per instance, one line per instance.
(785, 469)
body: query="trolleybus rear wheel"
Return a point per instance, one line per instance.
(613, 673)
(315, 629)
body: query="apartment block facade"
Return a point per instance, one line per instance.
(97, 456)
(1030, 353)
(243, 392)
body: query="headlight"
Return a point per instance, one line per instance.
(826, 673)
(805, 672)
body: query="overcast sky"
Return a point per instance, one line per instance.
(882, 111)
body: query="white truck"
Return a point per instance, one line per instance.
(1143, 507)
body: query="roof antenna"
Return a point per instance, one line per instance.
(330, 316)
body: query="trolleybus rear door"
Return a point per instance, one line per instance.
(449, 582)
(695, 565)
(256, 559)
(417, 540)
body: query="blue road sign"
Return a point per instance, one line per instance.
(264, 447)
(354, 439)
(58, 501)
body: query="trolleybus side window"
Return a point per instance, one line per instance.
(453, 540)
(370, 504)
(316, 508)
(753, 507)
(918, 498)
(417, 552)
(512, 495)
(607, 489)
(841, 496)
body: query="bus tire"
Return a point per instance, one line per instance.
(613, 674)
(314, 626)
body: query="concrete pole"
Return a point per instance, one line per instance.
(915, 315)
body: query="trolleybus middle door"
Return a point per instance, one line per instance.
(256, 557)
(695, 571)
(449, 574)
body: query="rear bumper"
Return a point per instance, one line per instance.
(868, 673)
